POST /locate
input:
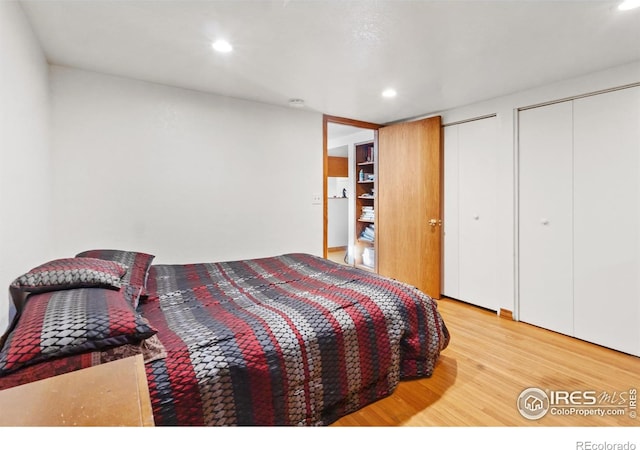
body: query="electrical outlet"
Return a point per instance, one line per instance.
(316, 199)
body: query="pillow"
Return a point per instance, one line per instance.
(72, 321)
(138, 264)
(70, 273)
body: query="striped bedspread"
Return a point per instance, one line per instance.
(288, 340)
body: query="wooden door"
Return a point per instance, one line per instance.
(409, 211)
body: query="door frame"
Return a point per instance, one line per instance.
(326, 119)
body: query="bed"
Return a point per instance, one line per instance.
(292, 339)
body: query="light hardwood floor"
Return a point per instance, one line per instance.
(337, 256)
(488, 363)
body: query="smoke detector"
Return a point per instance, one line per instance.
(296, 102)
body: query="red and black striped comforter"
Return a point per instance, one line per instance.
(287, 340)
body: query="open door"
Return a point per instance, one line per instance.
(409, 213)
(326, 120)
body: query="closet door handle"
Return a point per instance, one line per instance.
(544, 222)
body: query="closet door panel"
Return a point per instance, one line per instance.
(545, 217)
(477, 213)
(450, 249)
(607, 219)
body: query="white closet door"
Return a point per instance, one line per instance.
(450, 258)
(607, 219)
(545, 217)
(477, 146)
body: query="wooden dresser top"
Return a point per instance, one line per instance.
(111, 394)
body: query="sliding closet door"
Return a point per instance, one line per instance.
(607, 219)
(478, 240)
(545, 217)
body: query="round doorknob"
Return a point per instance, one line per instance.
(476, 217)
(544, 222)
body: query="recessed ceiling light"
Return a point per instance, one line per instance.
(296, 102)
(222, 46)
(628, 4)
(389, 93)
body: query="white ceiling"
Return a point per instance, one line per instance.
(339, 55)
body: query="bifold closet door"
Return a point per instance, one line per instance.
(470, 211)
(478, 240)
(607, 219)
(545, 217)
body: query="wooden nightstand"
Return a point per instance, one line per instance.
(111, 394)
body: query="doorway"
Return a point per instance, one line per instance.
(340, 136)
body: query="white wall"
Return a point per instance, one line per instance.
(25, 185)
(505, 108)
(186, 176)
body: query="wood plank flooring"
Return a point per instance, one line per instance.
(489, 362)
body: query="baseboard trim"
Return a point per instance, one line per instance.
(505, 314)
(336, 249)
